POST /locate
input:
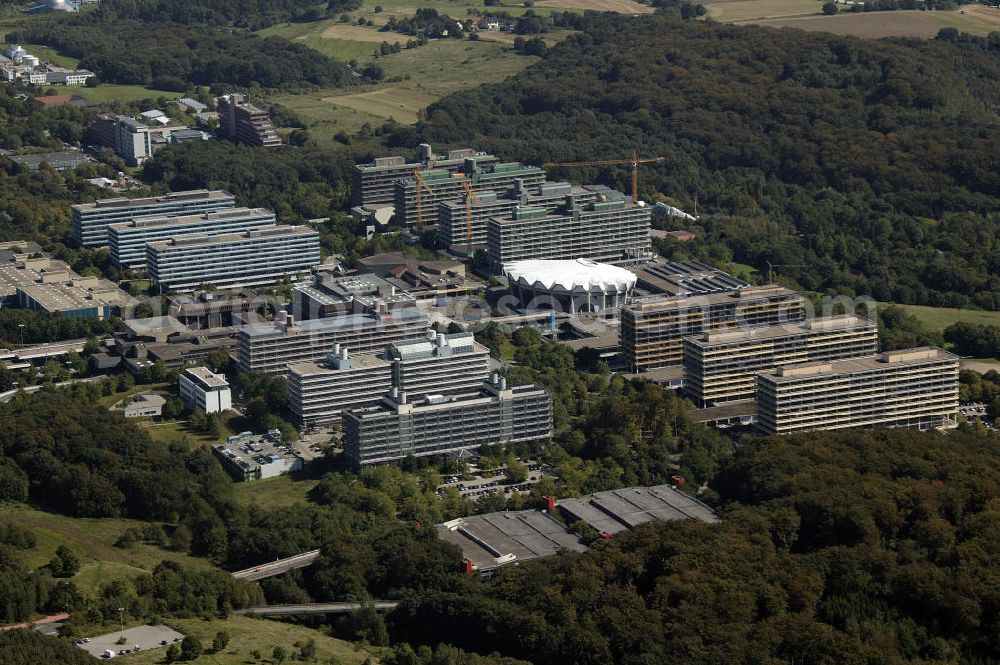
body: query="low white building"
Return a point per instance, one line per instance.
(145, 406)
(202, 389)
(571, 285)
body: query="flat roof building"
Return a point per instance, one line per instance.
(609, 231)
(446, 424)
(248, 457)
(652, 331)
(200, 388)
(722, 366)
(329, 295)
(437, 363)
(216, 309)
(64, 160)
(467, 216)
(128, 240)
(685, 278)
(76, 298)
(22, 270)
(273, 347)
(261, 256)
(91, 220)
(145, 405)
(372, 183)
(497, 539)
(443, 185)
(907, 388)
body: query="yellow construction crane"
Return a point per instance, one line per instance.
(634, 163)
(772, 266)
(421, 184)
(470, 196)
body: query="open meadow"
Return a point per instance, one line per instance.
(425, 75)
(974, 19)
(93, 541)
(248, 635)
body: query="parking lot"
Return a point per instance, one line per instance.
(143, 637)
(479, 486)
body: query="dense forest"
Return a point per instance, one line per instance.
(835, 548)
(253, 14)
(861, 166)
(135, 52)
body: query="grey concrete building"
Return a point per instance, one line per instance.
(446, 424)
(906, 388)
(437, 363)
(90, 220)
(273, 347)
(723, 366)
(373, 183)
(128, 240)
(611, 231)
(261, 256)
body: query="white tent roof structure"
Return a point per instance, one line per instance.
(569, 275)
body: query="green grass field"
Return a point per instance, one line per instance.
(45, 53)
(745, 10)
(279, 492)
(974, 19)
(939, 318)
(93, 541)
(433, 70)
(106, 92)
(251, 634)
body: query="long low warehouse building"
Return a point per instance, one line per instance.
(496, 539)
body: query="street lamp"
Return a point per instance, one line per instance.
(121, 618)
(20, 327)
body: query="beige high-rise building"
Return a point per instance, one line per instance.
(722, 366)
(652, 331)
(908, 388)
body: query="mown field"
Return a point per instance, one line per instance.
(939, 318)
(745, 10)
(427, 74)
(974, 19)
(106, 92)
(249, 635)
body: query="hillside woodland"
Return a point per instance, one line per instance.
(190, 43)
(861, 166)
(868, 548)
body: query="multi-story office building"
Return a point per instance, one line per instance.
(329, 295)
(91, 220)
(132, 141)
(911, 388)
(466, 217)
(442, 185)
(234, 260)
(443, 424)
(242, 121)
(439, 363)
(202, 389)
(128, 240)
(652, 331)
(723, 366)
(372, 184)
(273, 347)
(612, 231)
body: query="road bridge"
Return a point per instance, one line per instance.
(279, 567)
(318, 608)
